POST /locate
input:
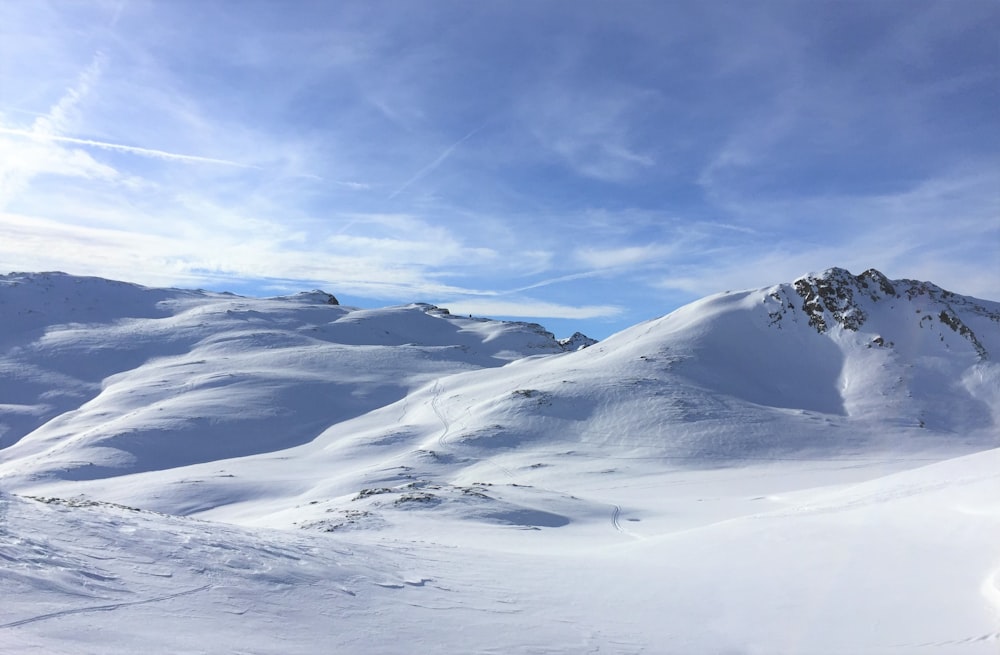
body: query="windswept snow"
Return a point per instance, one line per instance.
(810, 468)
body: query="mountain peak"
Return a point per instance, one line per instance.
(833, 295)
(317, 296)
(577, 341)
(837, 297)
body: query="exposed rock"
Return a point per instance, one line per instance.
(836, 298)
(577, 342)
(831, 295)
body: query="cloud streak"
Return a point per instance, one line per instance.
(440, 159)
(531, 309)
(132, 150)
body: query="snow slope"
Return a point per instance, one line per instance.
(101, 376)
(806, 468)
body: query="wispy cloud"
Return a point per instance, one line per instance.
(132, 150)
(571, 277)
(19, 164)
(60, 114)
(206, 253)
(530, 309)
(357, 186)
(591, 129)
(621, 257)
(917, 233)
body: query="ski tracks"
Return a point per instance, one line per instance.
(102, 608)
(990, 590)
(442, 439)
(615, 516)
(446, 425)
(991, 637)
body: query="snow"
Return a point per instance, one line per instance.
(185, 471)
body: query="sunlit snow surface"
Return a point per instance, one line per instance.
(194, 472)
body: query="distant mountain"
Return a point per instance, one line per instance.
(145, 378)
(577, 341)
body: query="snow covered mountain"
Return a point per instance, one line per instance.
(771, 428)
(156, 378)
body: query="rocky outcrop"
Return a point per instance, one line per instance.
(838, 298)
(577, 341)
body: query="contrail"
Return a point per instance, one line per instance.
(434, 164)
(556, 280)
(134, 150)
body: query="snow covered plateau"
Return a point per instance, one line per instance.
(808, 468)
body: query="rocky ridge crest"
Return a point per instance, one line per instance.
(837, 298)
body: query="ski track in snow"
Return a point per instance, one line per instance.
(445, 423)
(614, 518)
(968, 641)
(615, 515)
(103, 608)
(442, 439)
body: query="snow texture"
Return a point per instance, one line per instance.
(808, 468)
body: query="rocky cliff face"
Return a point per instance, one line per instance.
(836, 298)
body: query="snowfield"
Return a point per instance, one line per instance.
(808, 468)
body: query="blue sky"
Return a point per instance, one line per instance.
(586, 165)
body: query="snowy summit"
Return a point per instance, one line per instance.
(810, 467)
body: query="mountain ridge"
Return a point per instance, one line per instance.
(728, 377)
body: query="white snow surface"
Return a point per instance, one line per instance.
(809, 468)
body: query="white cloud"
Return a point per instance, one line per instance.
(590, 129)
(21, 161)
(201, 252)
(529, 309)
(621, 257)
(357, 186)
